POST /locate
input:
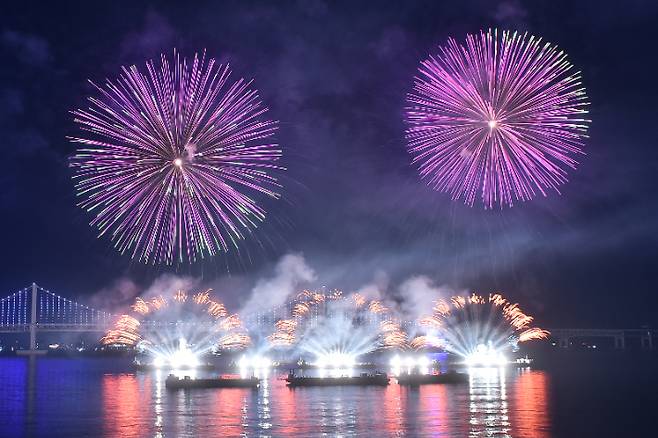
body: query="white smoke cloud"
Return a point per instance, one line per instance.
(418, 294)
(290, 273)
(118, 296)
(168, 284)
(376, 289)
(114, 296)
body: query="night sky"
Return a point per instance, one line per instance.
(336, 74)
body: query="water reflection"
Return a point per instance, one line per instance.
(126, 405)
(157, 405)
(488, 406)
(394, 409)
(231, 411)
(521, 413)
(530, 412)
(496, 402)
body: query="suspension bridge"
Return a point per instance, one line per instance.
(35, 309)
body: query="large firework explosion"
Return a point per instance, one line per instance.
(323, 324)
(173, 160)
(500, 117)
(158, 325)
(464, 323)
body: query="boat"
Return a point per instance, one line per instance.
(364, 379)
(523, 361)
(174, 382)
(425, 379)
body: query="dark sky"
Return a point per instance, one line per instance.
(335, 74)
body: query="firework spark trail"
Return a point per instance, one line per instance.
(225, 331)
(159, 302)
(501, 116)
(287, 325)
(125, 332)
(141, 306)
(285, 334)
(172, 159)
(425, 341)
(180, 296)
(387, 333)
(202, 297)
(216, 309)
(431, 321)
(461, 323)
(234, 341)
(359, 300)
(376, 306)
(231, 322)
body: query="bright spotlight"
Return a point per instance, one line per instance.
(261, 362)
(396, 361)
(184, 357)
(244, 362)
(159, 362)
(335, 359)
(254, 362)
(485, 356)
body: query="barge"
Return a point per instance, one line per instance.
(174, 382)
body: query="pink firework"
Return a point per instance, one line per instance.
(174, 159)
(500, 117)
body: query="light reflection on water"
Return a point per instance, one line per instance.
(495, 403)
(488, 405)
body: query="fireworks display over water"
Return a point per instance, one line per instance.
(334, 322)
(173, 160)
(463, 323)
(157, 324)
(322, 323)
(501, 118)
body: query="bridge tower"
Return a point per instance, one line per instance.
(33, 319)
(646, 341)
(33, 325)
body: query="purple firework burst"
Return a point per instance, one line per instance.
(501, 116)
(175, 159)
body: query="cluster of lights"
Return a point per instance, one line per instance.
(485, 356)
(410, 364)
(255, 363)
(183, 358)
(258, 365)
(335, 360)
(52, 306)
